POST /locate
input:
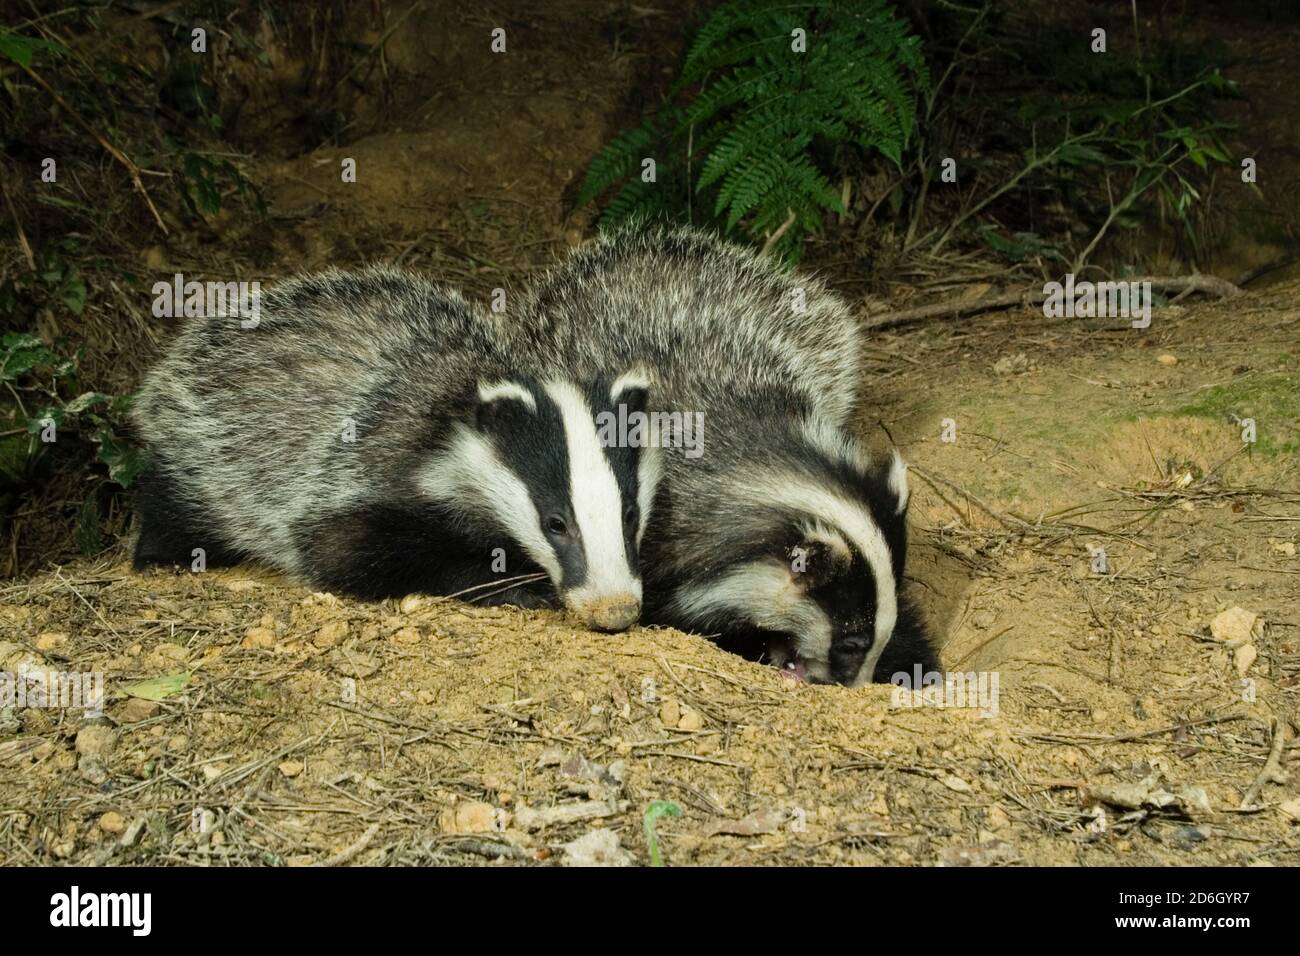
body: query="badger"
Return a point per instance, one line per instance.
(374, 434)
(783, 540)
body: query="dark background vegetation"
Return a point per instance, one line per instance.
(481, 168)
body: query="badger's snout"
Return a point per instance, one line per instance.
(615, 613)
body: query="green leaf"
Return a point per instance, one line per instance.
(20, 48)
(756, 131)
(618, 160)
(657, 809)
(120, 405)
(73, 292)
(22, 353)
(1080, 154)
(37, 423)
(87, 400)
(125, 462)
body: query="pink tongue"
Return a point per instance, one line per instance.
(795, 671)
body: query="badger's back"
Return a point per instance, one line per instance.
(715, 321)
(254, 423)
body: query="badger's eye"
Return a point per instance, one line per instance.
(631, 514)
(556, 525)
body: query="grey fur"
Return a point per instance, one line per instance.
(230, 408)
(713, 319)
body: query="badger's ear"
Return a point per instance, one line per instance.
(895, 474)
(499, 403)
(892, 511)
(817, 558)
(632, 389)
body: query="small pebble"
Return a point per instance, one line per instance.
(51, 641)
(136, 709)
(1234, 624)
(407, 635)
(596, 848)
(330, 634)
(1243, 657)
(259, 637)
(96, 740)
(92, 769)
(670, 713)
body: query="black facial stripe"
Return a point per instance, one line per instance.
(534, 447)
(850, 604)
(624, 459)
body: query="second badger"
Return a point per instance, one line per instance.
(782, 538)
(372, 435)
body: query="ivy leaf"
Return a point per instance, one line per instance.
(125, 462)
(38, 422)
(85, 401)
(22, 354)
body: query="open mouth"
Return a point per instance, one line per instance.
(795, 671)
(782, 655)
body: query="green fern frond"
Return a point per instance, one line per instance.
(640, 200)
(761, 119)
(617, 160)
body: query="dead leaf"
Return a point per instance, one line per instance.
(159, 688)
(760, 821)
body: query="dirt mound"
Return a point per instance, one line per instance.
(1113, 715)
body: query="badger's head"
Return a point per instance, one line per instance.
(818, 557)
(537, 461)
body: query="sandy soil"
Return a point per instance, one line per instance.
(1125, 730)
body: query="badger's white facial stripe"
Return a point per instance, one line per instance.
(852, 518)
(471, 471)
(649, 470)
(596, 500)
(764, 593)
(898, 481)
(632, 378)
(496, 391)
